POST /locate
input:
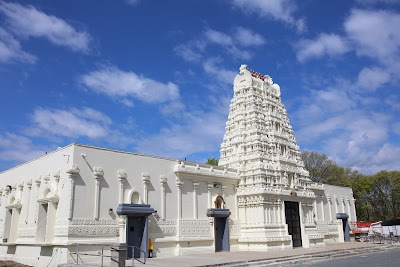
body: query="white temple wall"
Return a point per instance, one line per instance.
(341, 201)
(32, 181)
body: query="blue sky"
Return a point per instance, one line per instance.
(155, 77)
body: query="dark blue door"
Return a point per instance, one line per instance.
(221, 235)
(135, 230)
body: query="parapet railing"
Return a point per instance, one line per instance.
(78, 253)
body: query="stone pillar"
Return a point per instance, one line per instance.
(322, 208)
(315, 209)
(329, 207)
(282, 207)
(57, 181)
(223, 189)
(146, 181)
(163, 182)
(121, 178)
(349, 210)
(37, 182)
(195, 206)
(72, 173)
(20, 189)
(29, 185)
(179, 184)
(121, 228)
(210, 187)
(336, 204)
(235, 188)
(98, 173)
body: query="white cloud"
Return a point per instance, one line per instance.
(282, 10)
(393, 101)
(30, 22)
(375, 34)
(116, 83)
(324, 45)
(247, 37)
(373, 2)
(212, 66)
(373, 78)
(18, 148)
(217, 37)
(10, 49)
(234, 43)
(83, 122)
(132, 2)
(354, 132)
(196, 132)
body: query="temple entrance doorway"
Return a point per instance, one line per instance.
(221, 224)
(346, 228)
(293, 221)
(221, 234)
(136, 228)
(135, 232)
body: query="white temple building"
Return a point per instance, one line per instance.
(259, 197)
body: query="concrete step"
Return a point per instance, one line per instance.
(318, 256)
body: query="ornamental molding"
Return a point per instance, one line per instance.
(73, 170)
(207, 171)
(89, 221)
(98, 172)
(122, 174)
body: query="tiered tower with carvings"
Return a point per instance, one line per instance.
(259, 142)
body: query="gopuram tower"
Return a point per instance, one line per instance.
(275, 195)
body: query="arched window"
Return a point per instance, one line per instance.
(135, 198)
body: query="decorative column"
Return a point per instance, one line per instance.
(210, 187)
(322, 209)
(235, 188)
(98, 173)
(223, 189)
(336, 204)
(57, 181)
(179, 184)
(282, 207)
(29, 185)
(47, 178)
(121, 178)
(195, 206)
(72, 174)
(146, 181)
(342, 200)
(163, 182)
(329, 207)
(37, 182)
(348, 209)
(20, 189)
(315, 208)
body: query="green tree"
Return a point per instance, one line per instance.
(361, 186)
(212, 161)
(384, 195)
(318, 165)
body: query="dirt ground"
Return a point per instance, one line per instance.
(12, 264)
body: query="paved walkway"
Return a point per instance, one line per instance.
(221, 258)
